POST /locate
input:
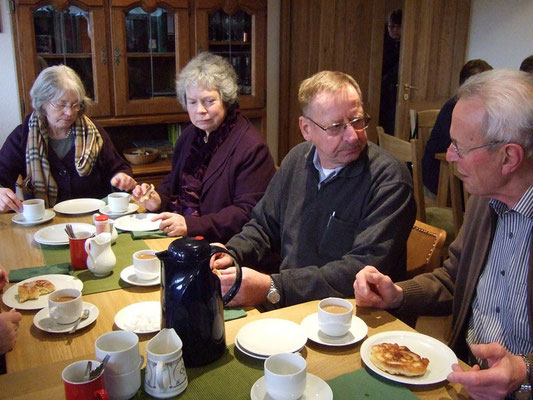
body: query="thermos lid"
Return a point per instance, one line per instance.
(189, 249)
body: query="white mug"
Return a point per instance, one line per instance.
(65, 306)
(123, 348)
(165, 374)
(335, 316)
(33, 209)
(285, 376)
(118, 202)
(123, 386)
(146, 265)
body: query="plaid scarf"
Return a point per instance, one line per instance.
(39, 181)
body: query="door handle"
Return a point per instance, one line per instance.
(406, 90)
(117, 55)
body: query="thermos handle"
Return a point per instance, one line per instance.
(238, 275)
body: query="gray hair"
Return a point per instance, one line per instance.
(211, 72)
(52, 83)
(507, 96)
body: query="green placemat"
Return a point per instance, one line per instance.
(149, 234)
(17, 275)
(230, 377)
(124, 248)
(362, 384)
(233, 313)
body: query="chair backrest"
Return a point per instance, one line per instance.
(425, 122)
(424, 248)
(459, 197)
(408, 152)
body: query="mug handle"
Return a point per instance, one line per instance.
(88, 245)
(163, 375)
(101, 394)
(238, 276)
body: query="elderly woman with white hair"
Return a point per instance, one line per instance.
(221, 164)
(59, 152)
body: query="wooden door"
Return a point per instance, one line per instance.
(433, 47)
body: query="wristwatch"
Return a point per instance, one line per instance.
(273, 295)
(524, 392)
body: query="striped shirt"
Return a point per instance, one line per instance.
(499, 309)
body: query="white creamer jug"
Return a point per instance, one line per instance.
(100, 257)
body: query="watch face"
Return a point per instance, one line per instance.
(273, 296)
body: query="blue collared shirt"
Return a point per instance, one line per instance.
(324, 174)
(499, 309)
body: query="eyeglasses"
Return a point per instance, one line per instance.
(463, 152)
(358, 124)
(63, 106)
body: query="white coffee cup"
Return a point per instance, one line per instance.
(146, 265)
(335, 316)
(65, 306)
(123, 386)
(33, 209)
(285, 376)
(118, 202)
(165, 374)
(123, 348)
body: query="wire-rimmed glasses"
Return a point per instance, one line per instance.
(358, 124)
(463, 152)
(64, 106)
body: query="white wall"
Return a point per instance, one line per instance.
(501, 32)
(9, 98)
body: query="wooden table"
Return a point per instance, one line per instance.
(41, 356)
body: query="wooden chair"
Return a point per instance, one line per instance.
(425, 122)
(459, 196)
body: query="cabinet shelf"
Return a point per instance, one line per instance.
(147, 55)
(68, 55)
(228, 42)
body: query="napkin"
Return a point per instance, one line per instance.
(18, 275)
(233, 313)
(362, 384)
(148, 234)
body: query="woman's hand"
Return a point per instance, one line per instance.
(172, 224)
(123, 182)
(146, 197)
(9, 327)
(9, 201)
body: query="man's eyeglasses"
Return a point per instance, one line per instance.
(63, 106)
(358, 124)
(463, 152)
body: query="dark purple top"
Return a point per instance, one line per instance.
(235, 180)
(69, 184)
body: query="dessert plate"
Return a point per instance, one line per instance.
(11, 296)
(128, 275)
(440, 356)
(132, 207)
(55, 235)
(43, 321)
(357, 332)
(143, 317)
(315, 388)
(19, 218)
(137, 222)
(79, 206)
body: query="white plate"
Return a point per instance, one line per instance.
(79, 206)
(137, 222)
(245, 352)
(11, 296)
(43, 321)
(55, 234)
(268, 336)
(132, 207)
(315, 388)
(143, 317)
(19, 218)
(357, 331)
(440, 356)
(128, 275)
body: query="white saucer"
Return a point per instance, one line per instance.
(357, 332)
(19, 218)
(132, 207)
(315, 388)
(43, 321)
(128, 275)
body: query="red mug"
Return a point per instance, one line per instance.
(78, 389)
(78, 255)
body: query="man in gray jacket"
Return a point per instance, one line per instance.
(336, 204)
(487, 283)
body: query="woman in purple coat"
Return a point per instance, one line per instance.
(59, 152)
(221, 164)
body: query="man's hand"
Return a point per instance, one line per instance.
(373, 289)
(254, 286)
(505, 374)
(146, 197)
(3, 278)
(9, 201)
(123, 182)
(173, 224)
(9, 326)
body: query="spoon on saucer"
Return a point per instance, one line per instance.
(83, 316)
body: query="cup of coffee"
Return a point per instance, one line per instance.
(33, 210)
(285, 376)
(76, 387)
(146, 264)
(118, 202)
(65, 306)
(335, 316)
(78, 255)
(165, 371)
